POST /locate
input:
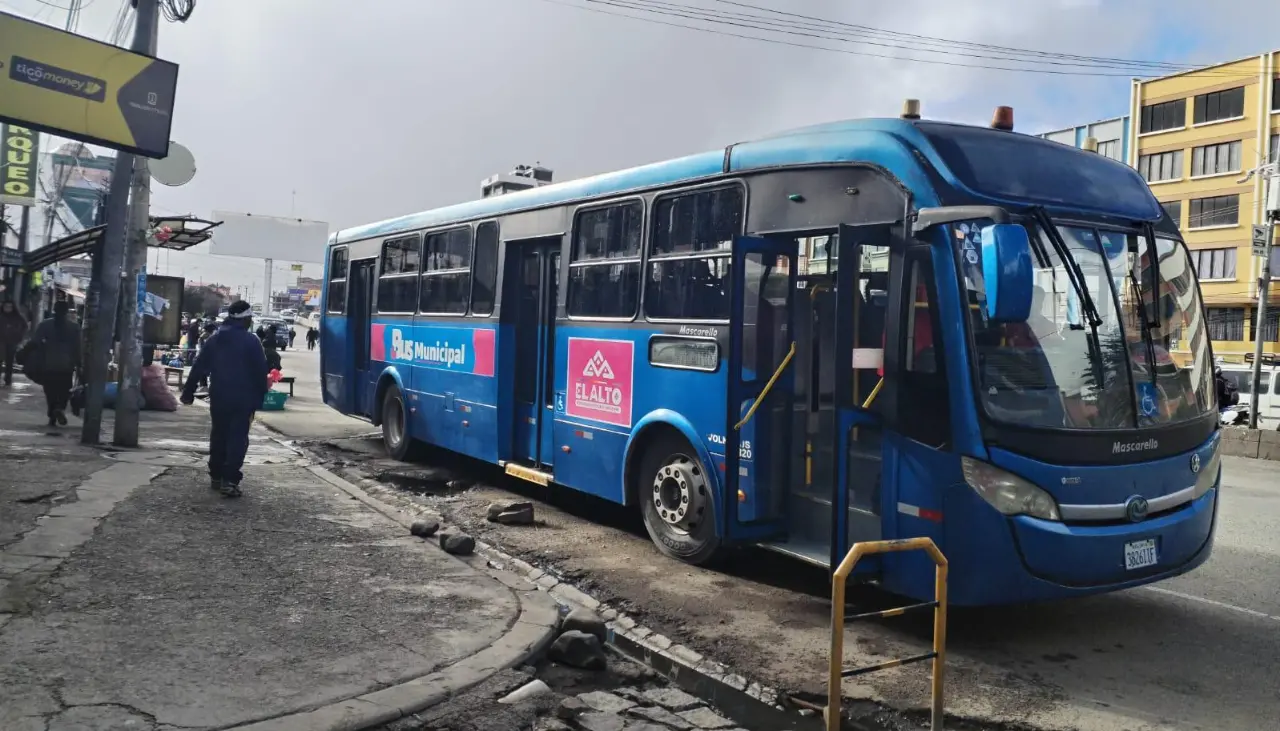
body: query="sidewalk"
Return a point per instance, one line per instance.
(132, 596)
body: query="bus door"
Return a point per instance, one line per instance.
(359, 312)
(861, 309)
(761, 389)
(535, 285)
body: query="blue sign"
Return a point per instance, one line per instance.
(1148, 399)
(142, 291)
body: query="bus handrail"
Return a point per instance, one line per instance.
(836, 671)
(767, 387)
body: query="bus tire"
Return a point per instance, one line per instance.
(395, 424)
(677, 500)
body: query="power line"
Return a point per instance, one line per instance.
(710, 16)
(951, 42)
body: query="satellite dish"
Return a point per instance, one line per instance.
(176, 169)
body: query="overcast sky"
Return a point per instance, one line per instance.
(383, 107)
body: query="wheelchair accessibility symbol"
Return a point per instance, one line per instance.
(1148, 400)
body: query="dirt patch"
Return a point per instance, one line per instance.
(758, 612)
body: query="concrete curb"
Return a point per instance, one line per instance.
(743, 700)
(530, 635)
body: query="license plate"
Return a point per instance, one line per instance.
(1140, 554)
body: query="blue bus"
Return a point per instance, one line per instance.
(855, 331)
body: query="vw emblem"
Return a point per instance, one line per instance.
(1195, 463)
(1136, 508)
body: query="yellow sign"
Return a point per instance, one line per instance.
(19, 155)
(77, 87)
(313, 294)
(295, 267)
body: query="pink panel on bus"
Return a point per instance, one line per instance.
(600, 380)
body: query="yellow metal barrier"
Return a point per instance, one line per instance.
(836, 671)
(767, 387)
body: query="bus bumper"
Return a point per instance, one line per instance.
(1026, 559)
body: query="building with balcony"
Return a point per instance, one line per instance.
(1112, 136)
(1196, 136)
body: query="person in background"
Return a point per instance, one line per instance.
(55, 351)
(312, 337)
(193, 337)
(234, 362)
(269, 348)
(13, 328)
(293, 333)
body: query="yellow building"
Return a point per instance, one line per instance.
(1193, 138)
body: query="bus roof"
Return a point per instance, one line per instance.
(974, 161)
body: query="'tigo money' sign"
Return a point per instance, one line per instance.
(19, 155)
(74, 86)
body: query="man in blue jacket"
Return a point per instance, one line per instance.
(233, 361)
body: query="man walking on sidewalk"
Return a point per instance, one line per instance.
(236, 367)
(13, 328)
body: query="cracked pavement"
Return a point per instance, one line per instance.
(175, 608)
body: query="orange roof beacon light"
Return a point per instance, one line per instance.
(1003, 119)
(1091, 144)
(911, 109)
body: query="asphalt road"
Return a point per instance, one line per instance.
(1196, 652)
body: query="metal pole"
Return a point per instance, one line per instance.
(135, 258)
(1264, 287)
(24, 234)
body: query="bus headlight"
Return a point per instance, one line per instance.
(1207, 477)
(1008, 493)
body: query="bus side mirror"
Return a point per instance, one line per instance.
(1007, 269)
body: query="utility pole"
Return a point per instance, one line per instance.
(145, 36)
(102, 304)
(1271, 189)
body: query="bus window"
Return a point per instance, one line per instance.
(337, 294)
(446, 272)
(398, 280)
(689, 254)
(484, 278)
(604, 276)
(923, 399)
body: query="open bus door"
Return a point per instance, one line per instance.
(761, 389)
(857, 463)
(360, 288)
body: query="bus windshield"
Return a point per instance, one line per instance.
(1063, 368)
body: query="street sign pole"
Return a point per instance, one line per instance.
(1263, 238)
(125, 434)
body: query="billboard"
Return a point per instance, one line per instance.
(84, 181)
(269, 237)
(77, 87)
(20, 155)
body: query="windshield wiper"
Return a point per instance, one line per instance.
(1074, 273)
(1147, 338)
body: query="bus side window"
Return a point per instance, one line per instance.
(689, 254)
(336, 297)
(604, 273)
(925, 408)
(484, 273)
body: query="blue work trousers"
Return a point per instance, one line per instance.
(228, 443)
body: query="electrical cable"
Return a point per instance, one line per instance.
(1093, 66)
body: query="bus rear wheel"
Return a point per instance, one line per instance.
(395, 425)
(677, 501)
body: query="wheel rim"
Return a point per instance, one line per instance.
(395, 423)
(680, 494)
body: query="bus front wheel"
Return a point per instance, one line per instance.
(677, 501)
(395, 424)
